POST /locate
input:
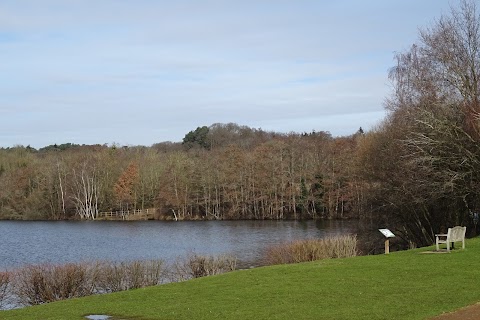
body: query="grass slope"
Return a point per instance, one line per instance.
(402, 285)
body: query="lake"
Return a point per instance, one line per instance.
(36, 242)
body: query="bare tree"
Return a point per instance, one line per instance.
(452, 45)
(85, 192)
(433, 129)
(443, 68)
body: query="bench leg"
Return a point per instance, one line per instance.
(436, 242)
(448, 246)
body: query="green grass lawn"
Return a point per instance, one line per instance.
(402, 285)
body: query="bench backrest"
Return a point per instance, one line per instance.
(456, 233)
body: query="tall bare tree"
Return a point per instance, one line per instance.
(85, 192)
(432, 131)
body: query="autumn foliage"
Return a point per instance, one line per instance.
(124, 188)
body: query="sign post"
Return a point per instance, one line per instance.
(388, 234)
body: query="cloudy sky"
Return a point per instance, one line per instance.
(137, 72)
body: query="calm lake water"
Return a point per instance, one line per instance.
(35, 242)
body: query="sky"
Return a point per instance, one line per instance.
(139, 72)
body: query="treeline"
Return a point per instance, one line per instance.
(224, 171)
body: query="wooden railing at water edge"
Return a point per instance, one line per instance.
(138, 214)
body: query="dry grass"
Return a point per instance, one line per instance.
(312, 249)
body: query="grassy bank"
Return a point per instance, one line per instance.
(404, 285)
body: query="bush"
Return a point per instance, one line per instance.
(312, 249)
(196, 266)
(40, 284)
(130, 275)
(4, 288)
(46, 283)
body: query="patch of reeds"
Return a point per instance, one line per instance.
(312, 249)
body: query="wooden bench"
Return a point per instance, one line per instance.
(454, 234)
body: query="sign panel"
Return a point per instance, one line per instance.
(387, 233)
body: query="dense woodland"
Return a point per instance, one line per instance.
(218, 172)
(417, 172)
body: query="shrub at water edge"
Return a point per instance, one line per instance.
(312, 249)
